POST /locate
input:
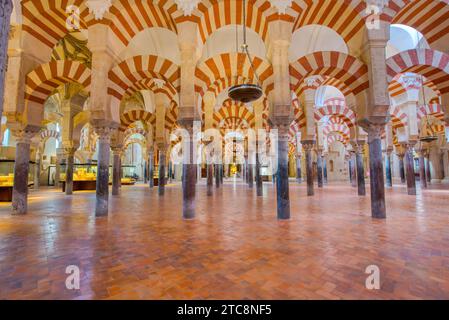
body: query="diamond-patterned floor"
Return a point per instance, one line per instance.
(235, 249)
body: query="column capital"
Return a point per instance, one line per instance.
(104, 129)
(308, 145)
(24, 134)
(374, 127)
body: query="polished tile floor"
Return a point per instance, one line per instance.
(234, 249)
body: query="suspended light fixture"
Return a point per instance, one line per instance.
(246, 92)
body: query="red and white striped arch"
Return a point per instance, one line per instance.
(431, 110)
(126, 74)
(344, 112)
(321, 81)
(42, 81)
(432, 64)
(48, 134)
(430, 17)
(45, 20)
(171, 116)
(213, 15)
(132, 116)
(336, 137)
(346, 17)
(349, 70)
(234, 115)
(232, 65)
(150, 84)
(398, 117)
(132, 131)
(127, 18)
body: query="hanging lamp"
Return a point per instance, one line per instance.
(246, 92)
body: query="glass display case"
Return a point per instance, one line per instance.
(7, 178)
(129, 175)
(84, 176)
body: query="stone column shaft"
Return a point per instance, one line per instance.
(402, 168)
(37, 171)
(210, 179)
(309, 167)
(151, 169)
(282, 183)
(259, 183)
(388, 170)
(162, 159)
(116, 172)
(298, 169)
(319, 167)
(70, 160)
(410, 171)
(324, 170)
(428, 174)
(21, 170)
(354, 170)
(189, 184)
(104, 142)
(422, 171)
(377, 183)
(360, 173)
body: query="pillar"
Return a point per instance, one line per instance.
(250, 175)
(189, 173)
(282, 183)
(21, 169)
(151, 169)
(37, 170)
(116, 170)
(350, 169)
(70, 160)
(401, 167)
(354, 169)
(377, 183)
(360, 170)
(6, 7)
(422, 170)
(410, 170)
(324, 170)
(104, 140)
(217, 175)
(388, 169)
(298, 169)
(259, 183)
(308, 147)
(428, 173)
(210, 179)
(319, 168)
(162, 160)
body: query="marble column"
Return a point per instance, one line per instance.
(189, 176)
(282, 183)
(360, 171)
(116, 170)
(244, 171)
(145, 172)
(6, 7)
(298, 169)
(422, 170)
(221, 174)
(70, 160)
(37, 170)
(354, 169)
(259, 183)
(104, 141)
(210, 179)
(21, 169)
(319, 168)
(308, 147)
(377, 181)
(428, 173)
(250, 175)
(324, 170)
(151, 169)
(410, 170)
(217, 175)
(58, 167)
(162, 160)
(402, 167)
(388, 169)
(350, 169)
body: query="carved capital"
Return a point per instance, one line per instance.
(99, 7)
(187, 6)
(281, 5)
(24, 134)
(104, 129)
(308, 145)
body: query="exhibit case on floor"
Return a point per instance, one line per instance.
(129, 175)
(7, 178)
(84, 176)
